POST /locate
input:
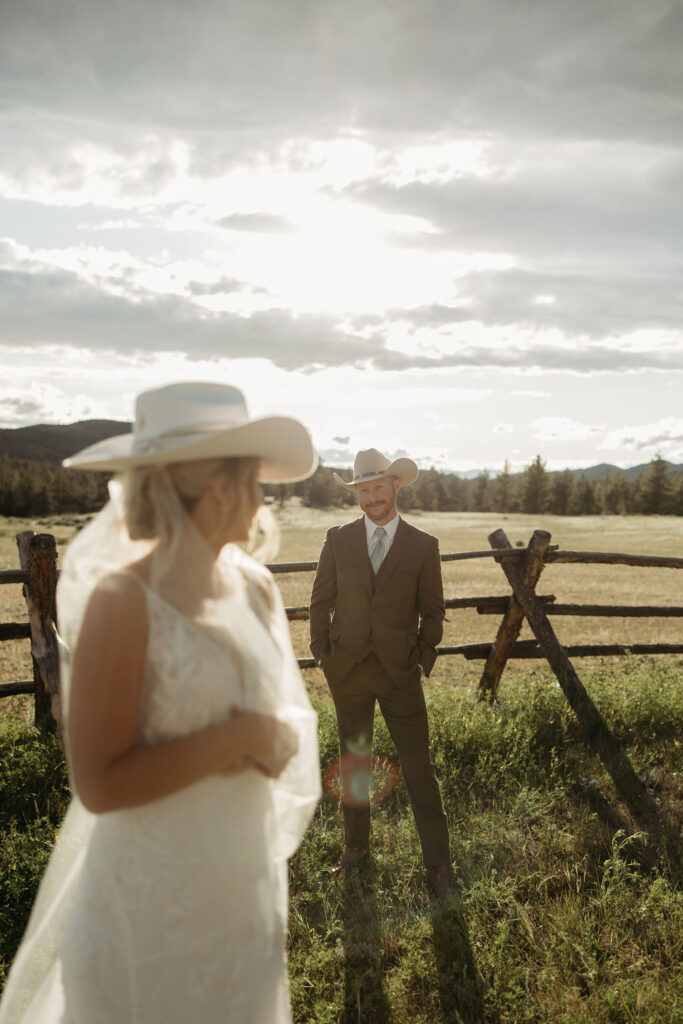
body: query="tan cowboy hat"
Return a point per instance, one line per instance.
(184, 422)
(371, 465)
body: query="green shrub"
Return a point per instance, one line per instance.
(34, 794)
(559, 917)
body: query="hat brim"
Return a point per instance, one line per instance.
(405, 469)
(282, 445)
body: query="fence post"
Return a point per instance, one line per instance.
(511, 623)
(629, 786)
(38, 557)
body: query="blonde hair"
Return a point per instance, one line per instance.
(145, 520)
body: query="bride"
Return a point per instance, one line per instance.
(191, 742)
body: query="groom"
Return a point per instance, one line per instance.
(377, 610)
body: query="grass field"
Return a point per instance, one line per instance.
(557, 917)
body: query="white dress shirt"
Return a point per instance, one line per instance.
(389, 528)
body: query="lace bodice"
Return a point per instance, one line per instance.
(189, 682)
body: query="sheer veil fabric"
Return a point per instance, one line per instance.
(175, 910)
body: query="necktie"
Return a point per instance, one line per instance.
(377, 551)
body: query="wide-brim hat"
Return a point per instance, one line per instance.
(372, 465)
(184, 422)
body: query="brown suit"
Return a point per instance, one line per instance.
(372, 635)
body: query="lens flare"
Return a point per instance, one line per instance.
(357, 782)
(359, 746)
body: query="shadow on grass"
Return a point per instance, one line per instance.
(364, 995)
(651, 826)
(659, 847)
(461, 986)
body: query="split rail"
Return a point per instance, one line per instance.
(529, 562)
(522, 568)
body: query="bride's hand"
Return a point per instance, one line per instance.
(235, 767)
(274, 743)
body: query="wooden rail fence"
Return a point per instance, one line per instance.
(38, 573)
(522, 568)
(538, 553)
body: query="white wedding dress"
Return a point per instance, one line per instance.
(175, 912)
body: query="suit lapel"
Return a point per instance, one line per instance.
(360, 553)
(394, 556)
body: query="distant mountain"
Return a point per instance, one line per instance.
(593, 473)
(631, 474)
(49, 442)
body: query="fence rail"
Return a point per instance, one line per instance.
(13, 576)
(38, 574)
(553, 554)
(521, 567)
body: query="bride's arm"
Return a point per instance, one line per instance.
(110, 770)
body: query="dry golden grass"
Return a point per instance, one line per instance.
(303, 531)
(555, 917)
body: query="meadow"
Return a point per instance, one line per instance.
(558, 916)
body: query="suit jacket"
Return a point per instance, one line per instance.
(398, 613)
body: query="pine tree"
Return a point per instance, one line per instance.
(431, 492)
(582, 500)
(321, 490)
(407, 498)
(6, 486)
(614, 494)
(559, 492)
(502, 497)
(456, 496)
(654, 489)
(535, 487)
(678, 498)
(44, 500)
(480, 492)
(23, 492)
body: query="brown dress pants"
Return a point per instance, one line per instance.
(405, 714)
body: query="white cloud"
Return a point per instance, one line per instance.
(665, 435)
(532, 394)
(562, 428)
(43, 403)
(399, 218)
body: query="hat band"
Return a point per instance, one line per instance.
(149, 445)
(371, 472)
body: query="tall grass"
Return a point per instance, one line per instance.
(34, 795)
(556, 919)
(561, 915)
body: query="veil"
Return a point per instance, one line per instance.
(233, 601)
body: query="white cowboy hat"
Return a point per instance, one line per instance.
(372, 465)
(184, 422)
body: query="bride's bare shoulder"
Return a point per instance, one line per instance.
(119, 597)
(114, 626)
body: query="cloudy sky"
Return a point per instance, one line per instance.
(447, 228)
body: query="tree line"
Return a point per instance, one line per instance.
(29, 488)
(656, 491)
